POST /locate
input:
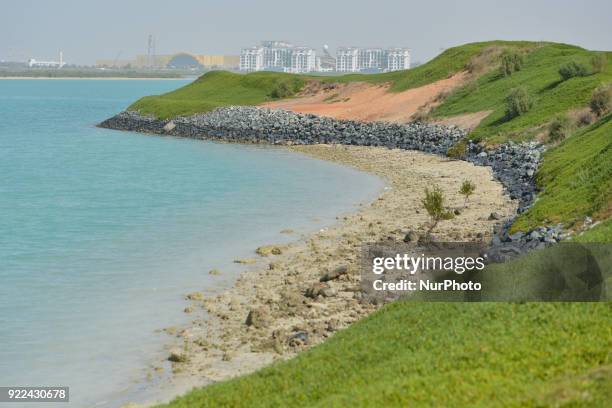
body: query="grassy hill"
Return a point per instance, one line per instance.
(441, 354)
(540, 77)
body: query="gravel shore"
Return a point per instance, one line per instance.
(279, 306)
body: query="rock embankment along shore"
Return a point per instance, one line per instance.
(514, 165)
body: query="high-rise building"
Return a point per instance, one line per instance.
(252, 59)
(347, 59)
(278, 56)
(353, 59)
(398, 59)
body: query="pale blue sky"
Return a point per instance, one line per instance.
(89, 30)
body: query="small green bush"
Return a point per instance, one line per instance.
(601, 100)
(518, 102)
(458, 150)
(467, 189)
(599, 62)
(559, 128)
(284, 88)
(511, 61)
(433, 202)
(573, 69)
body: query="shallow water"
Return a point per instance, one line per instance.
(103, 232)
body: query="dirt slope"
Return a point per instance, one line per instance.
(367, 102)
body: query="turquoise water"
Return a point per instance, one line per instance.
(103, 232)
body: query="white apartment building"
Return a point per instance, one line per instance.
(252, 59)
(278, 56)
(303, 59)
(347, 59)
(353, 59)
(372, 58)
(398, 59)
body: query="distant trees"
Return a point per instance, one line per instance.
(518, 102)
(511, 61)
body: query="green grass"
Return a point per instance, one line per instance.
(600, 233)
(540, 77)
(215, 89)
(576, 177)
(441, 354)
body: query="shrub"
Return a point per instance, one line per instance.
(518, 102)
(559, 128)
(433, 202)
(573, 69)
(458, 150)
(585, 118)
(284, 88)
(599, 62)
(601, 100)
(467, 189)
(511, 61)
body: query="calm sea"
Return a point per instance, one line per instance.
(103, 232)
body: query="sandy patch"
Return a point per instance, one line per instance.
(467, 121)
(220, 344)
(366, 102)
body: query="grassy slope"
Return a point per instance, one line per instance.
(441, 354)
(541, 78)
(212, 90)
(577, 179)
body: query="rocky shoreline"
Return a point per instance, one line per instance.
(512, 164)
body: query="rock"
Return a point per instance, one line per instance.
(178, 356)
(316, 289)
(328, 292)
(257, 318)
(195, 296)
(334, 274)
(517, 236)
(267, 250)
(188, 309)
(169, 127)
(287, 231)
(494, 216)
(457, 211)
(411, 236)
(246, 261)
(298, 339)
(214, 272)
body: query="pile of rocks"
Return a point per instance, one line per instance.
(250, 124)
(504, 246)
(514, 165)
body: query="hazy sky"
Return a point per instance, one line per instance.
(89, 30)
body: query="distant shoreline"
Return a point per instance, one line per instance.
(99, 78)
